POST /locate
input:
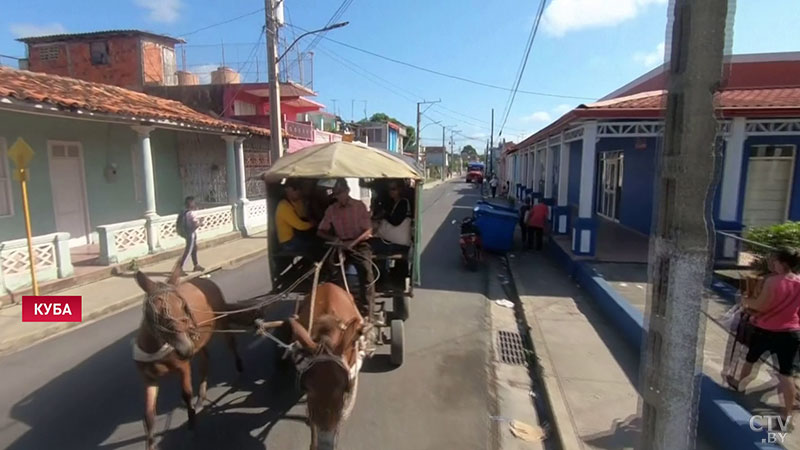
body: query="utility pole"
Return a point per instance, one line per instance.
(352, 110)
(683, 237)
(276, 135)
(365, 109)
(335, 112)
(419, 118)
(491, 146)
(444, 156)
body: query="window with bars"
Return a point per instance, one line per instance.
(6, 202)
(49, 53)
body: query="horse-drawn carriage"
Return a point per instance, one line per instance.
(329, 336)
(396, 266)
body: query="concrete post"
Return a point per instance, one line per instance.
(729, 187)
(241, 178)
(672, 356)
(561, 212)
(583, 233)
(150, 212)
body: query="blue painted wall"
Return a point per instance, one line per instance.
(794, 201)
(573, 194)
(636, 205)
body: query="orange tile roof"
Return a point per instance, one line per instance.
(69, 94)
(761, 102)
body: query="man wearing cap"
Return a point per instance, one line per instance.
(347, 220)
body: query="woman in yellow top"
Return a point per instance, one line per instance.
(290, 218)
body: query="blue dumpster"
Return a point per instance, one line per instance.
(496, 226)
(497, 207)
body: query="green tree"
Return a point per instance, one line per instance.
(411, 138)
(469, 153)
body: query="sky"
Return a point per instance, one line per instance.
(583, 50)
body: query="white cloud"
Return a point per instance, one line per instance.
(165, 11)
(563, 16)
(21, 30)
(538, 116)
(562, 109)
(650, 59)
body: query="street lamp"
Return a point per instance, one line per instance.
(276, 135)
(321, 30)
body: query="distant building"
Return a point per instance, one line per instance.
(130, 59)
(389, 136)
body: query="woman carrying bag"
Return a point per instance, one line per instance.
(393, 234)
(776, 325)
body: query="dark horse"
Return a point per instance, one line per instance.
(330, 358)
(179, 319)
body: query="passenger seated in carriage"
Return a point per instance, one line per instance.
(292, 222)
(392, 213)
(348, 221)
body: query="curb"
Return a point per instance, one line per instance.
(726, 423)
(61, 284)
(564, 426)
(57, 329)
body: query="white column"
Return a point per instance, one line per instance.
(561, 211)
(537, 161)
(240, 173)
(230, 167)
(563, 173)
(588, 156)
(731, 182)
(146, 154)
(583, 233)
(149, 184)
(548, 172)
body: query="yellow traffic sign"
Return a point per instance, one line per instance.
(21, 154)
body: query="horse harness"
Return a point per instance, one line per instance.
(155, 328)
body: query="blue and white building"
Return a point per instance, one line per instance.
(596, 164)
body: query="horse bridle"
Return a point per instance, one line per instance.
(155, 316)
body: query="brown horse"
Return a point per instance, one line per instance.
(330, 359)
(179, 319)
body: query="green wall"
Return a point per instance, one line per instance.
(109, 201)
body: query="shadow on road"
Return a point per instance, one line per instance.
(103, 396)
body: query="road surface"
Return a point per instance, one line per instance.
(80, 390)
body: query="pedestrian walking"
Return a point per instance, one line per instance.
(776, 325)
(493, 185)
(186, 226)
(523, 215)
(537, 219)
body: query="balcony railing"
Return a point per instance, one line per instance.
(300, 130)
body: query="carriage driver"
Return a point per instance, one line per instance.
(351, 224)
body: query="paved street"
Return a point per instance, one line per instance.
(80, 390)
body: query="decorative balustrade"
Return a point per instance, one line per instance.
(300, 130)
(255, 216)
(127, 240)
(52, 259)
(123, 241)
(215, 221)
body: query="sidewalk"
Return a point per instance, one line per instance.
(590, 372)
(761, 396)
(119, 292)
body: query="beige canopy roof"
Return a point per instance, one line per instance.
(341, 160)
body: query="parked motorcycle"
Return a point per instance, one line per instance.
(470, 241)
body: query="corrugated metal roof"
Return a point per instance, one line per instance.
(97, 34)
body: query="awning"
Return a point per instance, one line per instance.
(341, 160)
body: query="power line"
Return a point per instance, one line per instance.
(260, 10)
(413, 96)
(447, 75)
(524, 63)
(334, 18)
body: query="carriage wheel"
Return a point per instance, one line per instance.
(400, 307)
(397, 342)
